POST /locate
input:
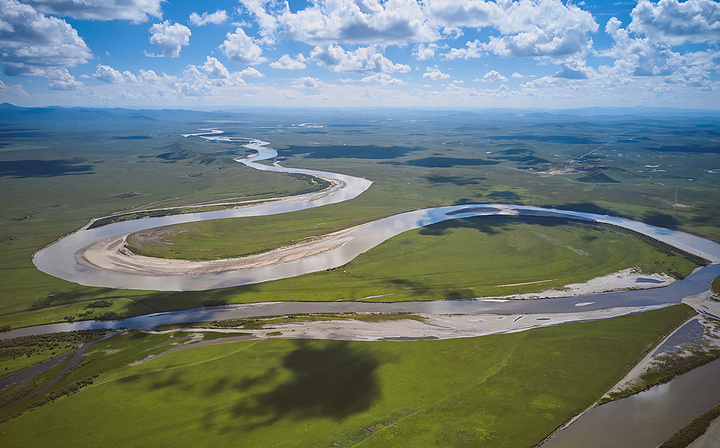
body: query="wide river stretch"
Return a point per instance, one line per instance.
(61, 258)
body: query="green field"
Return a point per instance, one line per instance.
(496, 391)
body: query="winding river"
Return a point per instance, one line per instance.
(61, 259)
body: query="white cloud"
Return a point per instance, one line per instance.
(493, 76)
(288, 63)
(307, 81)
(359, 22)
(241, 48)
(383, 79)
(424, 52)
(435, 74)
(133, 10)
(218, 17)
(574, 70)
(364, 59)
(169, 38)
(473, 49)
(215, 69)
(15, 90)
(150, 77)
(267, 21)
(517, 75)
(31, 43)
(676, 23)
(250, 72)
(108, 74)
(529, 28)
(463, 13)
(61, 79)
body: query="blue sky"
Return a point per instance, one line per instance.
(360, 53)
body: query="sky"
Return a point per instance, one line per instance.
(360, 53)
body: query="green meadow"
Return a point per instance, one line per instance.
(497, 391)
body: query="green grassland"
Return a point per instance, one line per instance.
(496, 391)
(473, 257)
(59, 171)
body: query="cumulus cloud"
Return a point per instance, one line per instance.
(493, 76)
(528, 28)
(435, 74)
(108, 74)
(364, 59)
(241, 48)
(267, 21)
(517, 75)
(307, 81)
(358, 22)
(381, 78)
(218, 17)
(676, 23)
(250, 72)
(464, 13)
(423, 52)
(31, 43)
(473, 49)
(133, 10)
(573, 70)
(169, 38)
(288, 63)
(215, 69)
(61, 79)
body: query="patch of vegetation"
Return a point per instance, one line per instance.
(18, 353)
(692, 431)
(715, 285)
(272, 391)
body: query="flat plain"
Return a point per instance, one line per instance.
(61, 168)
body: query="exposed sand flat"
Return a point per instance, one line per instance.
(112, 254)
(434, 326)
(630, 278)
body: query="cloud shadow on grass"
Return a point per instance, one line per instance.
(21, 169)
(333, 380)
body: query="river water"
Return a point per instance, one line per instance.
(647, 419)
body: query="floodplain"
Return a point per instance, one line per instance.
(57, 177)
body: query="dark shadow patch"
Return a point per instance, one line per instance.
(65, 297)
(171, 380)
(459, 181)
(310, 132)
(44, 168)
(349, 152)
(660, 220)
(519, 155)
(586, 207)
(503, 196)
(333, 380)
(567, 139)
(448, 162)
(686, 148)
(597, 176)
(218, 386)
